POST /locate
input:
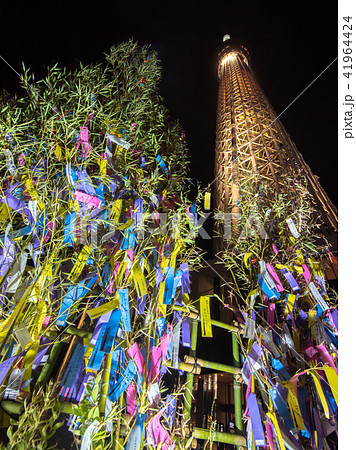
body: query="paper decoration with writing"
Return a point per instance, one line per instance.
(317, 296)
(292, 228)
(205, 316)
(249, 331)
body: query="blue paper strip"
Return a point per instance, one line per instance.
(123, 382)
(125, 309)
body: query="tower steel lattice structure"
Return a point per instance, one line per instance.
(251, 142)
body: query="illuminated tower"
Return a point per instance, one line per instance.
(251, 142)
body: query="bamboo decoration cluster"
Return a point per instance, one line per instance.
(290, 319)
(97, 239)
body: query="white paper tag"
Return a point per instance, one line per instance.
(267, 336)
(300, 222)
(119, 141)
(266, 276)
(154, 200)
(14, 384)
(318, 334)
(253, 298)
(249, 331)
(108, 155)
(292, 228)
(69, 174)
(153, 391)
(10, 162)
(17, 271)
(175, 344)
(32, 206)
(86, 440)
(317, 296)
(287, 337)
(108, 408)
(23, 336)
(319, 331)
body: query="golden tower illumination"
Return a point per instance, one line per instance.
(251, 142)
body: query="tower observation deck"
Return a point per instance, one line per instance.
(251, 142)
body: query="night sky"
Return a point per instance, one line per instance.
(290, 42)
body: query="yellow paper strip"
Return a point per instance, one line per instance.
(207, 198)
(177, 248)
(289, 304)
(139, 280)
(332, 377)
(116, 210)
(293, 404)
(277, 430)
(103, 309)
(80, 263)
(4, 212)
(33, 193)
(320, 392)
(205, 318)
(28, 361)
(58, 152)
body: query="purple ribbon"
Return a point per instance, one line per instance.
(185, 332)
(257, 429)
(7, 255)
(84, 184)
(141, 304)
(14, 203)
(291, 280)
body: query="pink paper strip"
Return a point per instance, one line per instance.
(49, 232)
(270, 435)
(21, 159)
(310, 352)
(248, 391)
(137, 357)
(90, 200)
(131, 407)
(273, 274)
(46, 322)
(270, 314)
(325, 356)
(158, 434)
(306, 273)
(84, 140)
(156, 358)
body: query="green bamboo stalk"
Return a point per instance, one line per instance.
(218, 436)
(195, 316)
(13, 408)
(187, 406)
(213, 365)
(237, 385)
(74, 331)
(105, 384)
(118, 441)
(190, 368)
(47, 370)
